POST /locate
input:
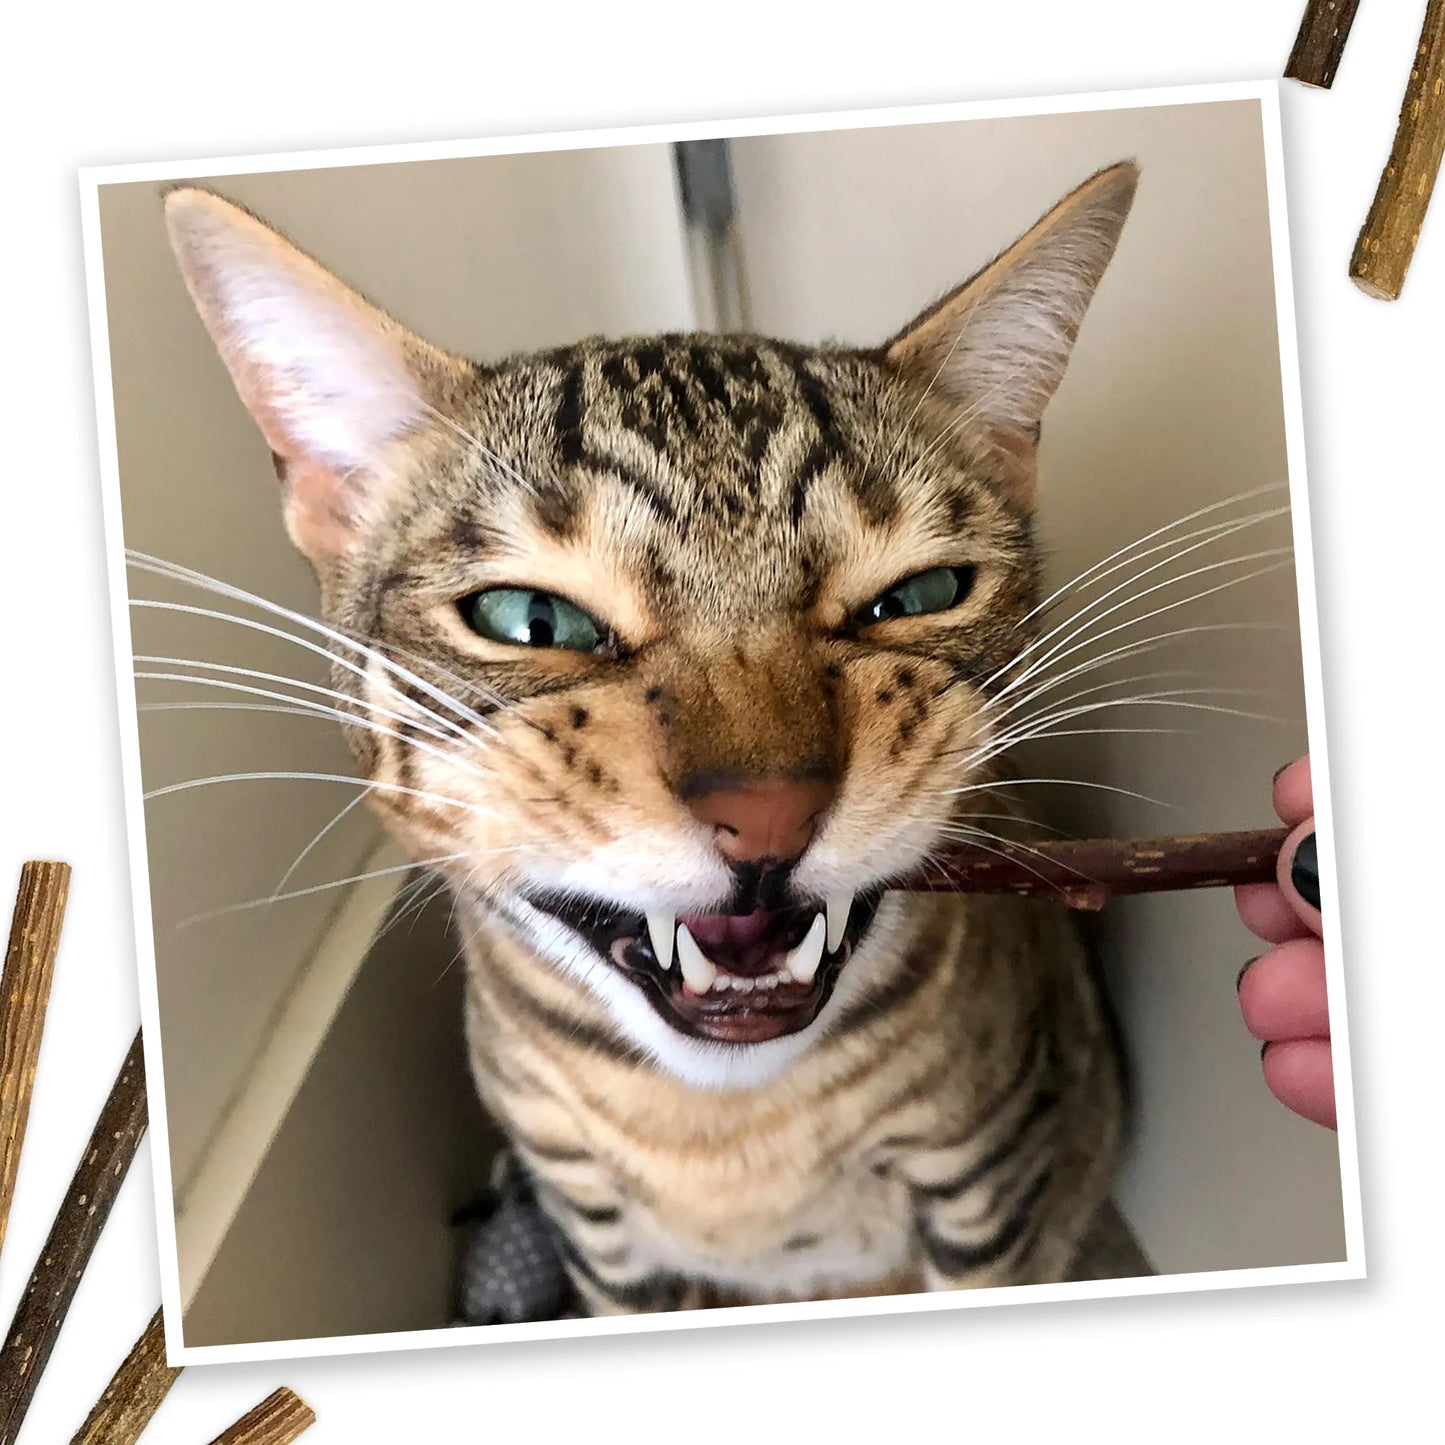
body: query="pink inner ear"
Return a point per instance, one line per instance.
(256, 397)
(1018, 462)
(318, 516)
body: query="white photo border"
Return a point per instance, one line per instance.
(91, 179)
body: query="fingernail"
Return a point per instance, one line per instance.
(1279, 772)
(1264, 1049)
(1304, 871)
(1239, 977)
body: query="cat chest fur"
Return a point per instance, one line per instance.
(802, 1188)
(771, 1192)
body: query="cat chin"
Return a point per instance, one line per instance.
(703, 1063)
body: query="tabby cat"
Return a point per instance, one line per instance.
(668, 654)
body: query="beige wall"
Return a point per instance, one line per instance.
(1172, 402)
(484, 257)
(345, 1230)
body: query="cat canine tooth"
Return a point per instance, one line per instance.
(803, 961)
(840, 905)
(661, 926)
(698, 970)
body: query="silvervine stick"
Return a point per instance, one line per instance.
(24, 998)
(67, 1250)
(277, 1420)
(1321, 42)
(134, 1394)
(1087, 873)
(1388, 238)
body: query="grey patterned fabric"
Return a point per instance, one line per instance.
(510, 1270)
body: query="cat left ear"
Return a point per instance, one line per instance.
(336, 386)
(996, 347)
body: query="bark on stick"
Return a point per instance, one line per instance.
(1392, 228)
(24, 997)
(83, 1212)
(1321, 42)
(134, 1394)
(277, 1420)
(1087, 873)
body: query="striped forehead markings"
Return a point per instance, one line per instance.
(670, 385)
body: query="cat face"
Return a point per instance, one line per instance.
(673, 651)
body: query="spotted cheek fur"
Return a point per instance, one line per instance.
(905, 728)
(568, 781)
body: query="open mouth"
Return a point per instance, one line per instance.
(736, 978)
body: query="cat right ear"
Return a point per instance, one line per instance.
(995, 349)
(336, 386)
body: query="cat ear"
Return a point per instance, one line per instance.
(333, 382)
(997, 346)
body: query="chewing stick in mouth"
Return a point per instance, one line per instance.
(1087, 872)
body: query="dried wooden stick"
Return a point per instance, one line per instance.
(134, 1394)
(82, 1215)
(1087, 873)
(24, 997)
(1321, 41)
(277, 1420)
(1392, 228)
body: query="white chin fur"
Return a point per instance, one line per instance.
(701, 1063)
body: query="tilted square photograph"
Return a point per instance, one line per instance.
(713, 718)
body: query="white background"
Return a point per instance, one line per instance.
(94, 88)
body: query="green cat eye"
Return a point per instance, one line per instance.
(527, 618)
(936, 590)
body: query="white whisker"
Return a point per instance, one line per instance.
(177, 573)
(306, 851)
(1269, 552)
(979, 833)
(296, 707)
(1059, 782)
(311, 687)
(1082, 577)
(315, 888)
(1055, 655)
(483, 450)
(365, 783)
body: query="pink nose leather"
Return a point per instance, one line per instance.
(768, 819)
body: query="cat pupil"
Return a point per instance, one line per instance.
(541, 621)
(933, 591)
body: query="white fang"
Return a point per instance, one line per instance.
(698, 970)
(803, 961)
(661, 925)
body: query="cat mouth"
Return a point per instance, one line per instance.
(732, 978)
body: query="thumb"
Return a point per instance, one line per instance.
(1299, 875)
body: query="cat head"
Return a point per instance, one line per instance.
(673, 651)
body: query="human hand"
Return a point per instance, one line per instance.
(1282, 992)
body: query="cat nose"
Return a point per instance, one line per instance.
(767, 818)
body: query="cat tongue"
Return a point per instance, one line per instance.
(726, 930)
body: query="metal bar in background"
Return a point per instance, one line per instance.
(709, 205)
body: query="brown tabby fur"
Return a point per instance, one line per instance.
(725, 505)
